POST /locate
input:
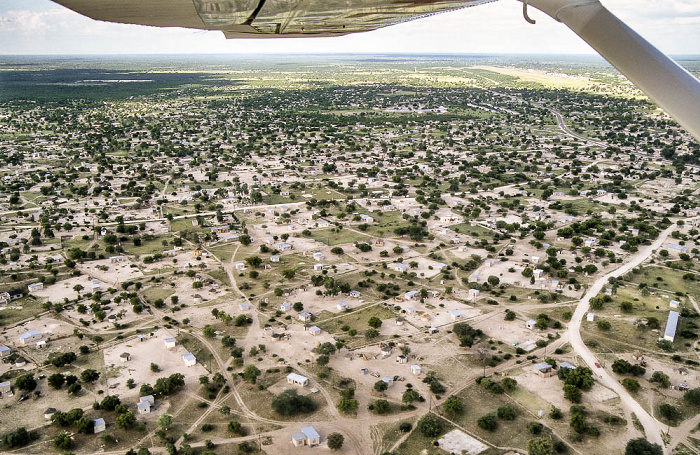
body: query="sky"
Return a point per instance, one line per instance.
(43, 27)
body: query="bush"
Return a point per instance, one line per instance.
(555, 413)
(335, 441)
(453, 406)
(661, 378)
(506, 412)
(290, 403)
(62, 441)
(535, 427)
(692, 396)
(430, 426)
(380, 386)
(641, 446)
(488, 422)
(381, 407)
(405, 427)
(669, 412)
(631, 385)
(540, 446)
(18, 438)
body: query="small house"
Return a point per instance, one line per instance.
(385, 350)
(170, 343)
(314, 331)
(99, 425)
(124, 357)
(5, 389)
(455, 315)
(244, 306)
(304, 316)
(28, 337)
(197, 299)
(274, 259)
(286, 306)
(342, 306)
(399, 267)
(531, 324)
(308, 436)
(297, 379)
(49, 413)
(590, 317)
(239, 266)
(5, 351)
(544, 369)
(143, 407)
(399, 321)
(318, 267)
(355, 294)
(35, 287)
(401, 358)
(148, 399)
(416, 369)
(671, 326)
(189, 359)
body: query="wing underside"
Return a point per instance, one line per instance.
(266, 18)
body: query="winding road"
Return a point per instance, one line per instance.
(652, 427)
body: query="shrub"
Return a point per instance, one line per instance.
(488, 422)
(535, 427)
(290, 403)
(430, 426)
(506, 412)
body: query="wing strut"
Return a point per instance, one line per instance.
(670, 86)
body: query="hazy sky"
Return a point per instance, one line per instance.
(43, 27)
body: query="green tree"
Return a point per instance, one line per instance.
(89, 375)
(374, 322)
(26, 382)
(56, 380)
(641, 446)
(670, 412)
(335, 441)
(430, 426)
(453, 406)
(290, 403)
(62, 441)
(506, 412)
(661, 378)
(578, 423)
(572, 393)
(631, 385)
(381, 407)
(380, 386)
(165, 421)
(540, 446)
(208, 331)
(251, 373)
(126, 420)
(488, 422)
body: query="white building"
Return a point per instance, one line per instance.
(297, 379)
(35, 287)
(28, 337)
(170, 343)
(189, 359)
(99, 425)
(308, 436)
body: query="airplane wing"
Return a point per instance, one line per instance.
(266, 18)
(669, 85)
